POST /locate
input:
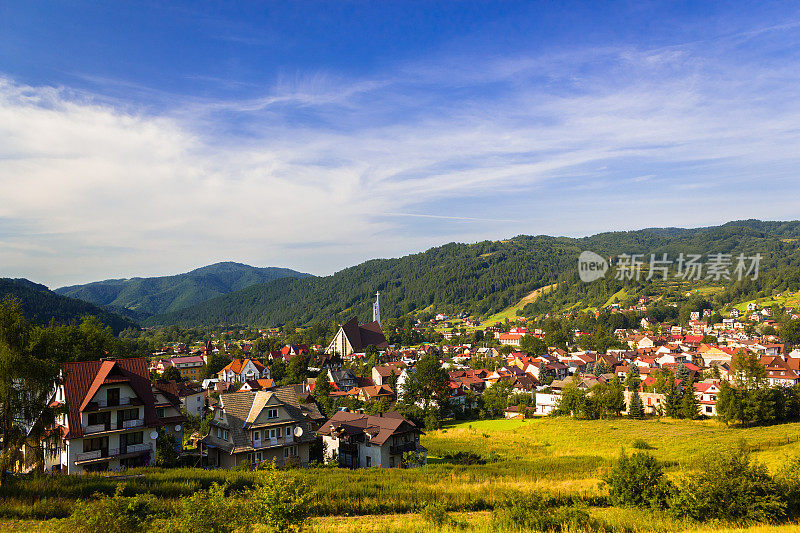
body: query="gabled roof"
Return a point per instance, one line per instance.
(237, 365)
(362, 336)
(82, 380)
(378, 428)
(243, 407)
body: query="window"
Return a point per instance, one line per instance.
(369, 461)
(98, 419)
(256, 435)
(112, 396)
(272, 433)
(160, 412)
(130, 414)
(219, 414)
(98, 443)
(272, 413)
(126, 439)
(279, 433)
(391, 462)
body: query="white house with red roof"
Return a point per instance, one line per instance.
(111, 420)
(242, 370)
(707, 393)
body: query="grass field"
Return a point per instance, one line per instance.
(557, 457)
(786, 299)
(510, 313)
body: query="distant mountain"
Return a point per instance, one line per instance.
(142, 297)
(481, 278)
(40, 305)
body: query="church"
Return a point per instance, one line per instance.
(354, 338)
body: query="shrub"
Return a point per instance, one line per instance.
(641, 444)
(111, 514)
(731, 488)
(637, 481)
(436, 514)
(463, 458)
(280, 502)
(535, 514)
(208, 510)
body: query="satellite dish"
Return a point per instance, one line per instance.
(178, 427)
(154, 435)
(298, 432)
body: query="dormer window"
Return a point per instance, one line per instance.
(272, 413)
(220, 415)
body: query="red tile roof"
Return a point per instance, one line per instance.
(82, 381)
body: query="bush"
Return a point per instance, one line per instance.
(731, 488)
(463, 458)
(112, 514)
(638, 481)
(436, 514)
(535, 514)
(280, 502)
(208, 510)
(641, 444)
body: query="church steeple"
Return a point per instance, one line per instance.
(376, 309)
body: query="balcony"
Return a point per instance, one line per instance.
(410, 446)
(97, 428)
(111, 453)
(266, 443)
(104, 404)
(127, 424)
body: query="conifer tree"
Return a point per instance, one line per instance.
(635, 406)
(689, 406)
(672, 399)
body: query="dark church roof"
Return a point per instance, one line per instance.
(362, 336)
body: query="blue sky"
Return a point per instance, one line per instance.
(146, 139)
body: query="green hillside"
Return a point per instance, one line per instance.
(142, 297)
(488, 277)
(40, 305)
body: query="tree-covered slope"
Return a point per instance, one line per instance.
(40, 305)
(148, 296)
(480, 278)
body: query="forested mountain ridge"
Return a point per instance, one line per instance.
(40, 305)
(480, 278)
(142, 297)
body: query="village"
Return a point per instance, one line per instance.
(345, 406)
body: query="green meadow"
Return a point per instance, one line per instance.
(558, 458)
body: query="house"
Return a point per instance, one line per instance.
(511, 339)
(546, 403)
(257, 385)
(516, 412)
(373, 393)
(110, 421)
(191, 397)
(381, 374)
(706, 393)
(343, 380)
(352, 338)
(189, 366)
(252, 427)
(242, 370)
(168, 410)
(359, 440)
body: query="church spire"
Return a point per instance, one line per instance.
(376, 309)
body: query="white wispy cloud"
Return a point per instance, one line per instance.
(322, 171)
